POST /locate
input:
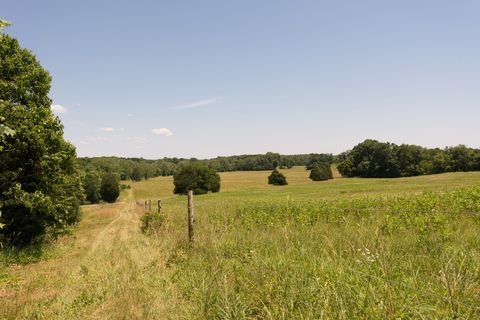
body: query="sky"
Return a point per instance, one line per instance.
(202, 79)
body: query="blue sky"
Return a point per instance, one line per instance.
(208, 78)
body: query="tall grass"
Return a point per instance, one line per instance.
(384, 257)
(343, 249)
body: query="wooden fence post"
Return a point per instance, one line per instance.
(191, 237)
(159, 205)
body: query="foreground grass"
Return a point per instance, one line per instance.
(107, 270)
(342, 249)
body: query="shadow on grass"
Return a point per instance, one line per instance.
(24, 255)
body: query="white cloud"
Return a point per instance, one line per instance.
(163, 132)
(107, 129)
(83, 142)
(198, 103)
(57, 108)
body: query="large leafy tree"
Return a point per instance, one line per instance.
(371, 159)
(109, 189)
(195, 176)
(40, 189)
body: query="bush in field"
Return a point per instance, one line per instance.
(40, 188)
(152, 221)
(277, 178)
(196, 176)
(321, 172)
(92, 182)
(110, 190)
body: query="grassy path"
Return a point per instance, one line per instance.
(107, 270)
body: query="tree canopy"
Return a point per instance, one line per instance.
(110, 189)
(195, 176)
(40, 189)
(374, 159)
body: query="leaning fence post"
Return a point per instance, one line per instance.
(191, 236)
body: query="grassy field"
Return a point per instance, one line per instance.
(342, 249)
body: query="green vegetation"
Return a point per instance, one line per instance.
(40, 189)
(138, 169)
(277, 178)
(195, 176)
(373, 159)
(321, 172)
(109, 189)
(92, 182)
(343, 249)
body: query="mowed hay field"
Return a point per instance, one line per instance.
(405, 248)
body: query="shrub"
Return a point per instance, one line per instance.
(152, 222)
(91, 183)
(321, 172)
(196, 176)
(110, 189)
(277, 178)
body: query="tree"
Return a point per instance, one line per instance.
(195, 176)
(409, 159)
(277, 178)
(136, 173)
(109, 189)
(321, 172)
(91, 184)
(315, 158)
(461, 158)
(371, 159)
(40, 188)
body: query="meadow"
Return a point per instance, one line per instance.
(348, 248)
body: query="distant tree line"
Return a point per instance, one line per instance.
(374, 159)
(137, 169)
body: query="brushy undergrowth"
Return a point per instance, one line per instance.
(385, 257)
(152, 222)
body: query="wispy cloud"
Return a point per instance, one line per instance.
(58, 108)
(198, 103)
(162, 132)
(107, 129)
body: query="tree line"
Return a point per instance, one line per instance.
(374, 159)
(137, 169)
